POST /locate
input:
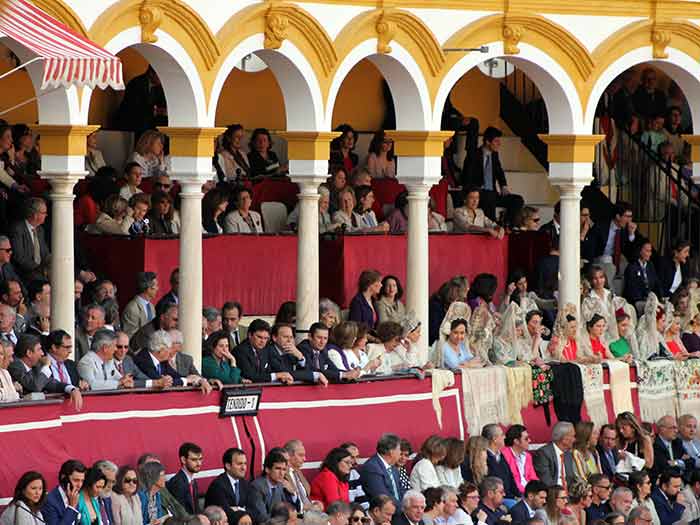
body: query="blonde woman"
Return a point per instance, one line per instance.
(149, 154)
(344, 217)
(113, 218)
(474, 468)
(586, 458)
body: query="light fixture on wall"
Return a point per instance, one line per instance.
(251, 63)
(480, 49)
(496, 68)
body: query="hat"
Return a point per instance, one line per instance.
(409, 323)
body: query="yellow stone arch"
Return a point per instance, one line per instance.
(279, 22)
(62, 13)
(679, 34)
(403, 27)
(514, 28)
(177, 19)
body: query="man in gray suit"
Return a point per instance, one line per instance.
(124, 363)
(182, 363)
(140, 310)
(268, 489)
(30, 253)
(166, 319)
(97, 366)
(31, 369)
(554, 462)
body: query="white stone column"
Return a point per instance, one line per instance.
(570, 244)
(191, 150)
(417, 265)
(62, 252)
(190, 306)
(307, 254)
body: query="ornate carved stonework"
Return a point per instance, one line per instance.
(386, 30)
(660, 39)
(276, 26)
(150, 17)
(512, 34)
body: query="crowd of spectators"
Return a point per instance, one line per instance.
(495, 477)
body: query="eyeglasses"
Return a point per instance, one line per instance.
(161, 185)
(474, 497)
(122, 346)
(358, 519)
(8, 250)
(604, 487)
(130, 480)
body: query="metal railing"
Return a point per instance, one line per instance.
(663, 198)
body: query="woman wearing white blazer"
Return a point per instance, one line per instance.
(243, 219)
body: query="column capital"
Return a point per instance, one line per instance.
(308, 145)
(192, 142)
(419, 143)
(308, 183)
(418, 190)
(62, 184)
(65, 140)
(694, 141)
(571, 148)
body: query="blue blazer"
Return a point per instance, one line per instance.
(375, 479)
(669, 512)
(361, 312)
(519, 513)
(55, 512)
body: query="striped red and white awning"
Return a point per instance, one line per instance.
(69, 58)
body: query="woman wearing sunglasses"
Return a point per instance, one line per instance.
(126, 504)
(357, 515)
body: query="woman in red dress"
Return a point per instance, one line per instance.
(596, 329)
(331, 484)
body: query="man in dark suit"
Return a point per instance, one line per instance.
(182, 485)
(31, 369)
(491, 492)
(7, 271)
(230, 490)
(615, 241)
(648, 100)
(668, 448)
(673, 270)
(61, 506)
(379, 475)
(553, 227)
(553, 462)
(412, 509)
(30, 252)
(62, 368)
(125, 365)
(664, 496)
(496, 463)
(482, 169)
(607, 450)
(268, 489)
(172, 296)
(534, 498)
(254, 359)
(641, 279)
(166, 319)
(154, 362)
(601, 486)
(143, 106)
(316, 357)
(231, 314)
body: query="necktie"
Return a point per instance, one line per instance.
(193, 492)
(235, 337)
(488, 174)
(61, 373)
(611, 460)
(37, 248)
(236, 498)
(103, 513)
(301, 492)
(617, 248)
(104, 372)
(159, 369)
(317, 365)
(149, 311)
(394, 489)
(120, 367)
(563, 470)
(670, 452)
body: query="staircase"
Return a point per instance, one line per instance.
(523, 109)
(663, 198)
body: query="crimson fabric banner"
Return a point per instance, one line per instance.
(343, 259)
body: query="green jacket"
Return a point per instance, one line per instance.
(224, 372)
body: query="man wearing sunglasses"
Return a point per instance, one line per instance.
(600, 488)
(124, 363)
(7, 271)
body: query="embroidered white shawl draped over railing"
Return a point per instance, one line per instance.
(484, 393)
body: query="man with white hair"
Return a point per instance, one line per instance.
(621, 500)
(668, 447)
(640, 516)
(125, 364)
(412, 509)
(97, 366)
(109, 470)
(216, 515)
(154, 362)
(687, 428)
(553, 462)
